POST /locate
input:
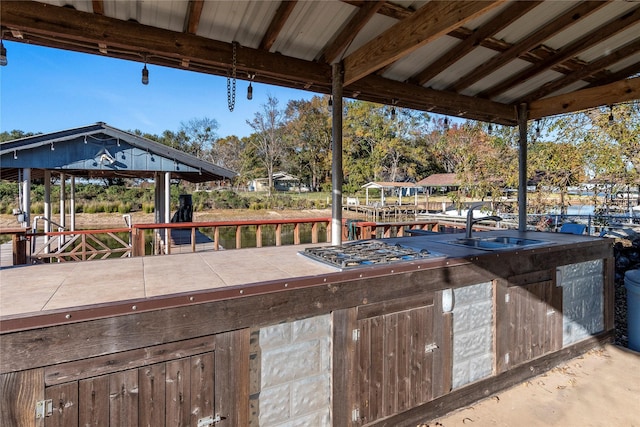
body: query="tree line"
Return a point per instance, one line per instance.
(388, 143)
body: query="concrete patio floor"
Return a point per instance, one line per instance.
(598, 389)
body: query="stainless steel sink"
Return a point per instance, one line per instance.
(497, 242)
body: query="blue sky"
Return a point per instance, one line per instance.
(46, 90)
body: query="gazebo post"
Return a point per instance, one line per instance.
(167, 211)
(336, 156)
(47, 208)
(63, 190)
(72, 203)
(523, 112)
(26, 197)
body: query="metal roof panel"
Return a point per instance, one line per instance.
(528, 86)
(458, 70)
(585, 26)
(244, 22)
(612, 43)
(532, 21)
(376, 26)
(310, 27)
(502, 73)
(420, 59)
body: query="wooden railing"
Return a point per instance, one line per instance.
(82, 245)
(85, 245)
(206, 235)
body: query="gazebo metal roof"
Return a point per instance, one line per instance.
(102, 151)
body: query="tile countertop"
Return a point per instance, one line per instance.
(37, 288)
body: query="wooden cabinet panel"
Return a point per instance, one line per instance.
(123, 399)
(64, 399)
(19, 392)
(151, 381)
(529, 322)
(93, 402)
(394, 360)
(176, 392)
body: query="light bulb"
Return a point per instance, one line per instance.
(611, 116)
(3, 55)
(145, 75)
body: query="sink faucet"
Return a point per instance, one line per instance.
(471, 220)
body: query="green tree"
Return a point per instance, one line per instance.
(269, 141)
(15, 134)
(558, 166)
(200, 136)
(366, 127)
(309, 124)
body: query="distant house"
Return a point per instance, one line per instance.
(282, 181)
(440, 182)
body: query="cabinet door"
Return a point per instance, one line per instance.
(529, 322)
(175, 392)
(398, 360)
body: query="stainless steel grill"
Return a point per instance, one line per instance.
(367, 253)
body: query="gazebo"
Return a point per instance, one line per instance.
(97, 151)
(505, 62)
(410, 187)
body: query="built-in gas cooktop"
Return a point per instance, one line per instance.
(366, 253)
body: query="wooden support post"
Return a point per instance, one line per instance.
(523, 113)
(259, 236)
(19, 249)
(238, 237)
(296, 234)
(278, 234)
(137, 242)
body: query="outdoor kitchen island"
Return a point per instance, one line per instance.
(270, 337)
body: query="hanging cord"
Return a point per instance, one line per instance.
(231, 81)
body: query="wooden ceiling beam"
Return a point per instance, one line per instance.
(614, 93)
(565, 20)
(498, 23)
(61, 23)
(630, 71)
(574, 49)
(192, 20)
(389, 9)
(277, 23)
(98, 6)
(434, 19)
(584, 72)
(364, 14)
(385, 91)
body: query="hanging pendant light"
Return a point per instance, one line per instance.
(250, 88)
(611, 120)
(3, 55)
(145, 75)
